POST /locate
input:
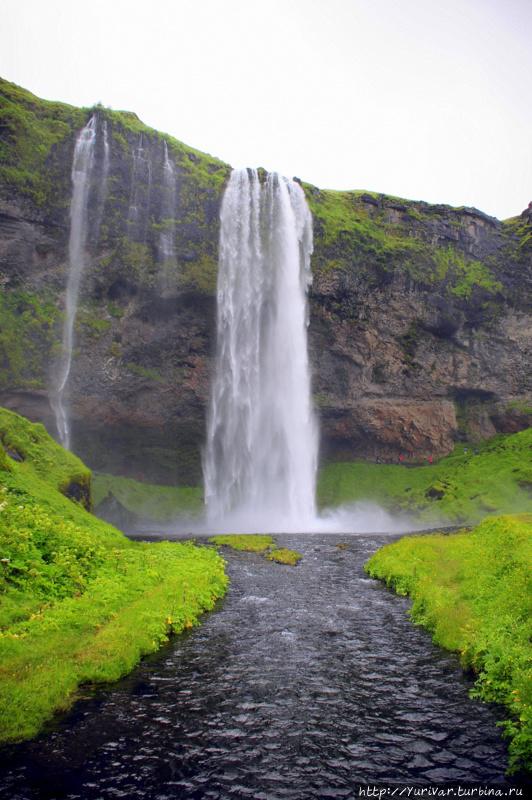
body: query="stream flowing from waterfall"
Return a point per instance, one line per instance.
(304, 684)
(262, 441)
(82, 166)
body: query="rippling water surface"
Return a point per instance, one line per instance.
(305, 683)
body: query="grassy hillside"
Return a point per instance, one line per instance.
(381, 234)
(147, 501)
(473, 592)
(33, 130)
(78, 601)
(495, 476)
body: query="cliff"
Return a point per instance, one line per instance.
(419, 324)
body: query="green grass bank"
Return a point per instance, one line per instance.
(79, 602)
(475, 480)
(472, 591)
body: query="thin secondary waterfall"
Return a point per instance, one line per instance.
(82, 166)
(262, 439)
(167, 234)
(139, 203)
(103, 181)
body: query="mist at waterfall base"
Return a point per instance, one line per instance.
(363, 517)
(261, 455)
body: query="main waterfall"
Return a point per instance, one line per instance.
(81, 182)
(262, 439)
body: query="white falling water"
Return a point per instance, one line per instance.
(139, 202)
(102, 185)
(262, 440)
(167, 234)
(82, 165)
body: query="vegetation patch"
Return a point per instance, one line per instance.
(247, 542)
(522, 231)
(146, 373)
(91, 324)
(148, 501)
(206, 169)
(39, 461)
(199, 275)
(472, 592)
(463, 274)
(30, 128)
(521, 406)
(258, 543)
(28, 332)
(378, 234)
(79, 602)
(284, 556)
(463, 487)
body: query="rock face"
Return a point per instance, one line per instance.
(422, 336)
(419, 325)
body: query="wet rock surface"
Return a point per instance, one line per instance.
(306, 683)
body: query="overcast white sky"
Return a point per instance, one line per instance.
(425, 99)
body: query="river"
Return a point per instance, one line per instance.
(305, 683)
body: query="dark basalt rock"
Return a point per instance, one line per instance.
(80, 492)
(13, 454)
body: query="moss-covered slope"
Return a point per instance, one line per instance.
(33, 132)
(124, 501)
(454, 251)
(464, 487)
(37, 456)
(472, 591)
(78, 601)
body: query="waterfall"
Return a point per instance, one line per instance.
(102, 184)
(139, 202)
(262, 440)
(167, 235)
(82, 165)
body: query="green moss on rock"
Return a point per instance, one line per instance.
(30, 128)
(463, 275)
(379, 234)
(28, 333)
